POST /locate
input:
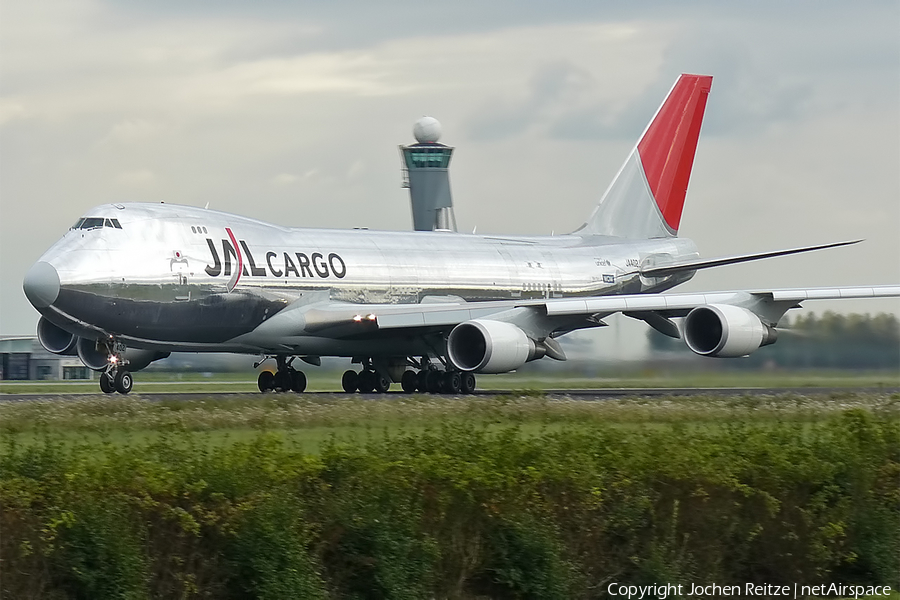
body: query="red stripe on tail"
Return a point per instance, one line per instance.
(667, 147)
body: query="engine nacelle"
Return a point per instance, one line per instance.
(95, 355)
(486, 346)
(92, 353)
(725, 331)
(55, 339)
(137, 359)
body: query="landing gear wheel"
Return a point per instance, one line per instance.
(266, 381)
(467, 382)
(350, 381)
(107, 386)
(282, 381)
(433, 382)
(298, 381)
(450, 382)
(409, 382)
(382, 383)
(366, 382)
(422, 380)
(124, 381)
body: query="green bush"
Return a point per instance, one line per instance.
(459, 511)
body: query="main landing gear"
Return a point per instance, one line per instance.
(426, 379)
(413, 375)
(365, 382)
(285, 379)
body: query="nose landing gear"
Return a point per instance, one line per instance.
(115, 377)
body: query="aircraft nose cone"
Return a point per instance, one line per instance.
(41, 284)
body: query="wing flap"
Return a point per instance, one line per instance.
(640, 302)
(885, 291)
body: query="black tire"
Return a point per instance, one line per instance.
(409, 382)
(283, 381)
(107, 386)
(433, 382)
(266, 381)
(124, 381)
(451, 382)
(298, 381)
(467, 382)
(382, 383)
(422, 380)
(350, 381)
(366, 382)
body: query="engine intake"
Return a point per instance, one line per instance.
(725, 331)
(486, 346)
(55, 339)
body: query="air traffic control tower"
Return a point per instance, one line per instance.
(425, 173)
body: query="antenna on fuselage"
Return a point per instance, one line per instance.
(425, 172)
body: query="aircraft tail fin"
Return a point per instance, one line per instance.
(646, 197)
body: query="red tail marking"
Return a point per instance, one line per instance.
(668, 146)
(240, 265)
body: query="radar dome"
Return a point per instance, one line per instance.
(427, 130)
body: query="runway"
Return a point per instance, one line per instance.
(587, 395)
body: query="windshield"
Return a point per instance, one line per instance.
(96, 222)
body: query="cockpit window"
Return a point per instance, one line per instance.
(92, 223)
(96, 223)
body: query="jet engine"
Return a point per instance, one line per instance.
(487, 346)
(55, 339)
(725, 331)
(95, 355)
(137, 359)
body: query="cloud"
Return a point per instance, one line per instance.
(356, 170)
(136, 178)
(284, 179)
(131, 131)
(299, 107)
(12, 109)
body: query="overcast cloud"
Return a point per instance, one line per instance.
(292, 112)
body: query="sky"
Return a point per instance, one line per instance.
(292, 112)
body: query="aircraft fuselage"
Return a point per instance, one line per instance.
(182, 278)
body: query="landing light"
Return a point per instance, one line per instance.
(357, 319)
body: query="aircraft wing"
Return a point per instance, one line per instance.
(680, 304)
(539, 318)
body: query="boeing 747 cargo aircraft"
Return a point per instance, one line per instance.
(130, 283)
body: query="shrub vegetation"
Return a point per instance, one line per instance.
(466, 509)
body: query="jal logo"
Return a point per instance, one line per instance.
(300, 264)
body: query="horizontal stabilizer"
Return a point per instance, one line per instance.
(695, 265)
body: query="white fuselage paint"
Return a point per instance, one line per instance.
(167, 278)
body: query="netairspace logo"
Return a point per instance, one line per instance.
(667, 590)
